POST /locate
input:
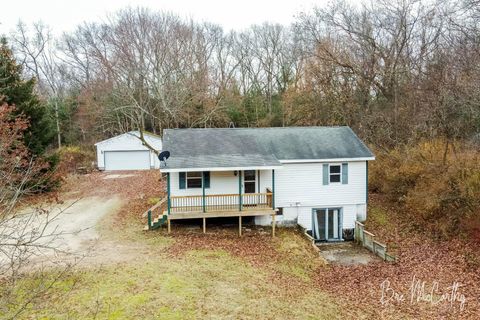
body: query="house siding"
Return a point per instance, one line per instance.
(301, 184)
(298, 190)
(221, 182)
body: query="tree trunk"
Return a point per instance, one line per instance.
(57, 120)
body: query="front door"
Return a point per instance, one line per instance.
(327, 224)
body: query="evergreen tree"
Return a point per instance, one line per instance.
(14, 90)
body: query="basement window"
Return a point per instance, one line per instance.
(279, 211)
(194, 180)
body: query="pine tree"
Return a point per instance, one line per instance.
(14, 90)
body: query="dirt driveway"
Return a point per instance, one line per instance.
(86, 204)
(59, 231)
(77, 221)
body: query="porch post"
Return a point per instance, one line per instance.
(273, 189)
(273, 225)
(240, 226)
(203, 191)
(239, 190)
(168, 193)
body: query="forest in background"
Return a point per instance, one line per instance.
(396, 72)
(403, 74)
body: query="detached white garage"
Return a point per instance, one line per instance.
(126, 152)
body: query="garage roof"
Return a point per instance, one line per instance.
(259, 147)
(153, 139)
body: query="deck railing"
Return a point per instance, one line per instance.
(220, 202)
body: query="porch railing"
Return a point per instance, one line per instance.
(220, 202)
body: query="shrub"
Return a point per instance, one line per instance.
(435, 185)
(71, 158)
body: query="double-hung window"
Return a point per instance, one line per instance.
(335, 173)
(194, 180)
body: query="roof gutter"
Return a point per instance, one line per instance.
(220, 169)
(327, 160)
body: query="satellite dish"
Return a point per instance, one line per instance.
(163, 156)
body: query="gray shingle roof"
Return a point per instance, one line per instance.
(257, 147)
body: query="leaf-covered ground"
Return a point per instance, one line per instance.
(431, 280)
(219, 275)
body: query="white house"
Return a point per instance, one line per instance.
(312, 176)
(127, 152)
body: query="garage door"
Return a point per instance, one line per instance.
(127, 160)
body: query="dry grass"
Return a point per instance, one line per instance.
(187, 275)
(213, 283)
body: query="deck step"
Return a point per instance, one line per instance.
(157, 222)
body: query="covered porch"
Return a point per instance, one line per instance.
(198, 194)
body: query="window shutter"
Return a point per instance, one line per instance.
(206, 179)
(325, 174)
(182, 177)
(344, 173)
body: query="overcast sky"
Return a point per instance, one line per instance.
(65, 15)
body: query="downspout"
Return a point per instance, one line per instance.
(239, 190)
(203, 191)
(366, 184)
(258, 173)
(273, 189)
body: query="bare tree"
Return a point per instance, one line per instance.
(38, 53)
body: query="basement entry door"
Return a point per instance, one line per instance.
(327, 224)
(127, 160)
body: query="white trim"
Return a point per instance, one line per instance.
(268, 167)
(316, 205)
(335, 174)
(115, 137)
(220, 169)
(131, 133)
(327, 160)
(133, 150)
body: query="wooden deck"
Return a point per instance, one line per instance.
(215, 206)
(219, 214)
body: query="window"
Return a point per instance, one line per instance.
(279, 212)
(249, 181)
(194, 180)
(335, 173)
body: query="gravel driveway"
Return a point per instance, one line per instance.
(77, 220)
(66, 229)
